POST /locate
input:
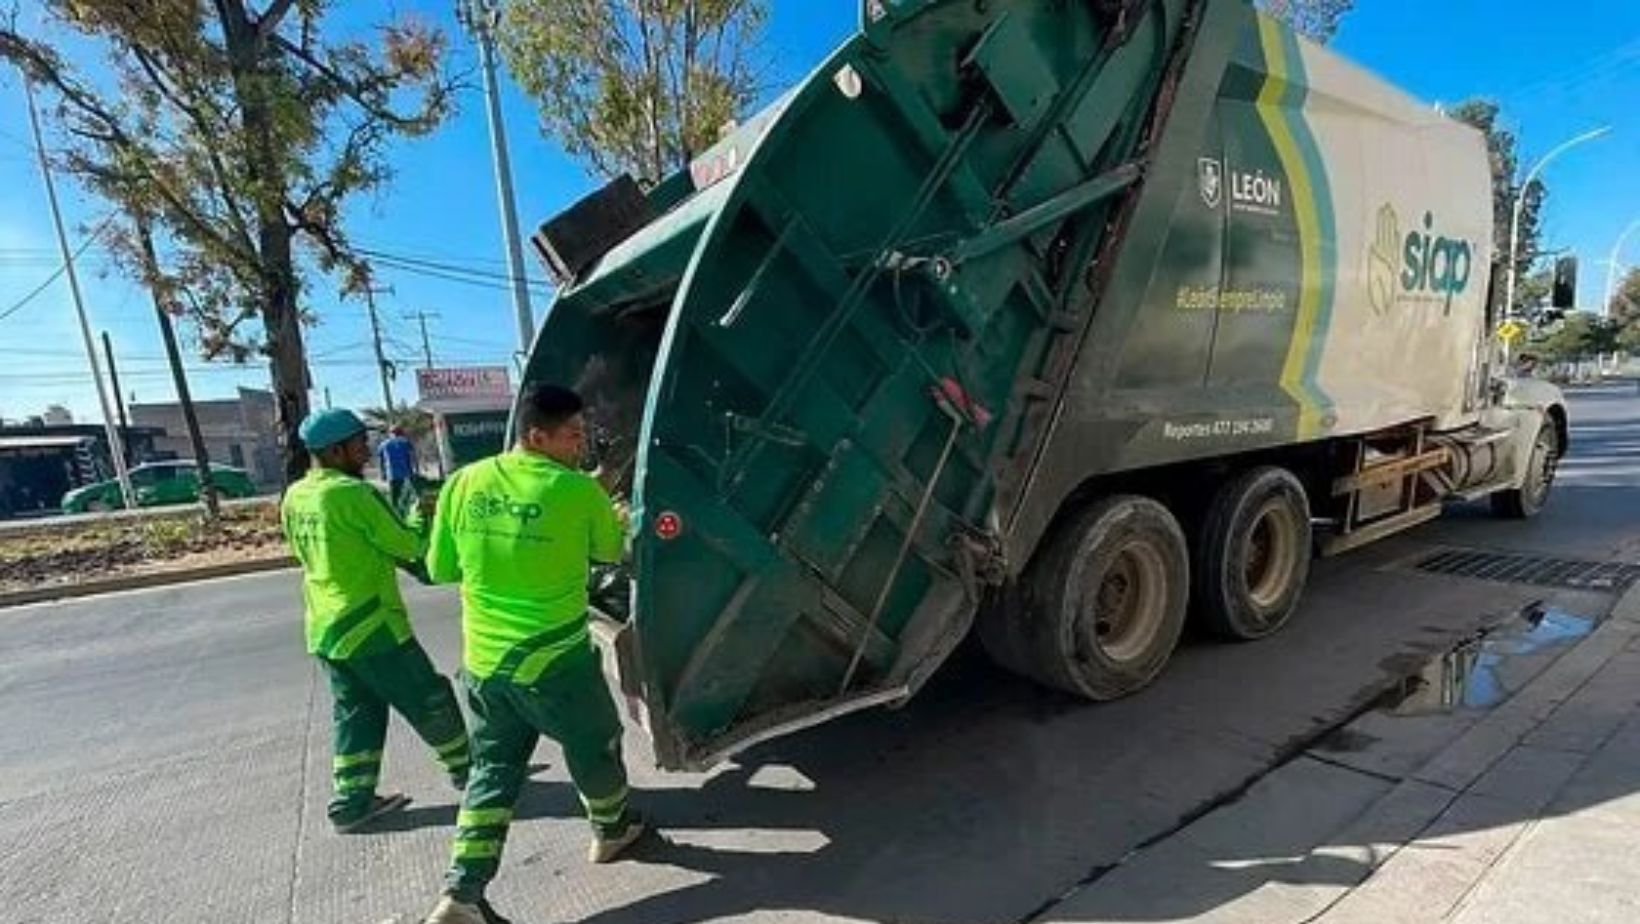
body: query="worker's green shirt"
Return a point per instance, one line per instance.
(519, 532)
(349, 541)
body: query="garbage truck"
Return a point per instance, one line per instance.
(1059, 322)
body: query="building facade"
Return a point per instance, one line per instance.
(237, 431)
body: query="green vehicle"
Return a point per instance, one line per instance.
(1058, 322)
(159, 484)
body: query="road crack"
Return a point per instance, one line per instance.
(301, 798)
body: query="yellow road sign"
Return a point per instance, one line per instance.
(1511, 330)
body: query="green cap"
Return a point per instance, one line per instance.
(324, 429)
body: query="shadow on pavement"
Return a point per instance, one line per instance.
(987, 797)
(1580, 801)
(987, 794)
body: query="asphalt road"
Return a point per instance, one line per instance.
(165, 755)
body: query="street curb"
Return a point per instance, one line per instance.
(1460, 771)
(143, 581)
(1313, 889)
(1627, 607)
(1471, 754)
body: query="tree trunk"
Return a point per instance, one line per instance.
(281, 317)
(282, 321)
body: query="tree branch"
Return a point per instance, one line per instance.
(207, 134)
(334, 185)
(354, 91)
(321, 234)
(270, 19)
(44, 68)
(173, 205)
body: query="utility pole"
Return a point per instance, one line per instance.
(327, 397)
(119, 400)
(116, 446)
(179, 378)
(1614, 266)
(426, 344)
(1511, 272)
(481, 17)
(383, 367)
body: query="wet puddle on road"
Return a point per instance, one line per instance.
(1489, 667)
(1428, 706)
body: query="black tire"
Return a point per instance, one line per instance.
(1252, 555)
(1100, 610)
(1532, 496)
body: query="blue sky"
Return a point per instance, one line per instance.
(1556, 74)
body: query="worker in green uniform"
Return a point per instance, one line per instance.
(519, 531)
(349, 541)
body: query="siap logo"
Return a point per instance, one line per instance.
(482, 506)
(1420, 267)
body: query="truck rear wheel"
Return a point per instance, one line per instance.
(1102, 607)
(1529, 500)
(1252, 555)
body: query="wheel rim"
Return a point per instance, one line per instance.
(1124, 605)
(1543, 475)
(1272, 555)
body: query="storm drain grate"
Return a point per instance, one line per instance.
(1532, 569)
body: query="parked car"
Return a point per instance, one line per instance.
(159, 484)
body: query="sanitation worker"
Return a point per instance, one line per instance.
(519, 531)
(349, 541)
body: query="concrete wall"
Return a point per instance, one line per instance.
(237, 431)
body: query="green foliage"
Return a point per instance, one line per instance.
(1533, 293)
(1628, 338)
(1625, 305)
(237, 134)
(165, 538)
(1315, 19)
(1579, 336)
(635, 87)
(1501, 146)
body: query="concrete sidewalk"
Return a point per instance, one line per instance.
(1528, 811)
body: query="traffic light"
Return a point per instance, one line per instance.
(1565, 293)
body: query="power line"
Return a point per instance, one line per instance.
(1603, 66)
(439, 274)
(450, 270)
(61, 269)
(338, 350)
(470, 274)
(467, 341)
(445, 256)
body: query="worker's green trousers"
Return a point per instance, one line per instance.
(570, 704)
(364, 690)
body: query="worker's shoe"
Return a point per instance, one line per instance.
(450, 911)
(382, 805)
(606, 847)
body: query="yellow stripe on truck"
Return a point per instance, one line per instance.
(1273, 114)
